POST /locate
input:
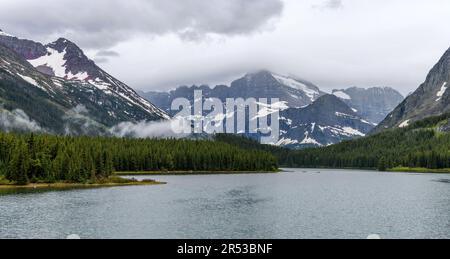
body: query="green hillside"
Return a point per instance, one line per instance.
(422, 145)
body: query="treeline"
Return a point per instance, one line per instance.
(47, 158)
(282, 154)
(419, 145)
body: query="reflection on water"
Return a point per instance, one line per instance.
(29, 191)
(296, 204)
(443, 180)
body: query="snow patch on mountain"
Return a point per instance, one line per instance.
(57, 62)
(313, 127)
(79, 76)
(99, 84)
(2, 33)
(57, 82)
(342, 95)
(268, 109)
(404, 124)
(31, 81)
(342, 131)
(292, 83)
(309, 140)
(344, 115)
(441, 91)
(353, 132)
(288, 121)
(5, 62)
(286, 142)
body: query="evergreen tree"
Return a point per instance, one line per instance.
(19, 165)
(382, 165)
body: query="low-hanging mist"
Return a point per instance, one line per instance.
(17, 120)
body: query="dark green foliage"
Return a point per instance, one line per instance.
(32, 100)
(19, 164)
(282, 154)
(46, 158)
(382, 164)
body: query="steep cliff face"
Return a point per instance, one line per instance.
(325, 122)
(430, 99)
(373, 104)
(27, 49)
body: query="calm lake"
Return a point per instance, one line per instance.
(296, 204)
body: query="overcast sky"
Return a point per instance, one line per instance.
(160, 44)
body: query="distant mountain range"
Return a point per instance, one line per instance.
(372, 104)
(55, 88)
(312, 117)
(326, 121)
(430, 99)
(295, 92)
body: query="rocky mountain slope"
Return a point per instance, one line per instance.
(59, 90)
(309, 117)
(372, 104)
(263, 84)
(325, 122)
(430, 99)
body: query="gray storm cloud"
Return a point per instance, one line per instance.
(167, 43)
(329, 4)
(103, 23)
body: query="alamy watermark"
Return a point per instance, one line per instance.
(235, 116)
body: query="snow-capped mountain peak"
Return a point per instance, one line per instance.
(66, 63)
(63, 59)
(341, 94)
(55, 63)
(296, 92)
(2, 33)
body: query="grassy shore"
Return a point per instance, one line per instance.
(110, 182)
(191, 172)
(419, 170)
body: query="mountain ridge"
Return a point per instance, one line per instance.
(306, 107)
(327, 121)
(373, 103)
(88, 95)
(430, 99)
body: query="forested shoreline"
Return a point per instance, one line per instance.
(423, 144)
(35, 158)
(40, 158)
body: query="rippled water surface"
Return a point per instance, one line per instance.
(296, 204)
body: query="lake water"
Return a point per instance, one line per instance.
(296, 204)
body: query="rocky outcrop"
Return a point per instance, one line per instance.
(373, 104)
